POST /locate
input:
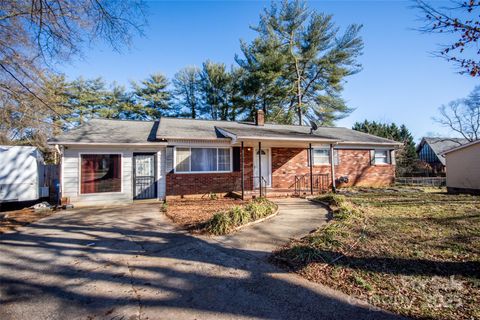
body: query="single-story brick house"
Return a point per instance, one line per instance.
(118, 161)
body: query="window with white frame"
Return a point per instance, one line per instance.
(100, 173)
(321, 156)
(203, 160)
(381, 157)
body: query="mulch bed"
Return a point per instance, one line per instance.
(191, 214)
(11, 220)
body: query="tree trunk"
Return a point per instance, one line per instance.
(298, 80)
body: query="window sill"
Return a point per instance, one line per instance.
(100, 193)
(201, 172)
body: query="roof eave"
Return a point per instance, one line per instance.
(195, 138)
(392, 144)
(460, 147)
(66, 143)
(256, 138)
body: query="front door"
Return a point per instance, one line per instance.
(265, 166)
(144, 184)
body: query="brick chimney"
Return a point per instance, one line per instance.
(260, 118)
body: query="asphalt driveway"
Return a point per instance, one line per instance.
(131, 263)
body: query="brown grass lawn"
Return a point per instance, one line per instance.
(414, 252)
(193, 213)
(11, 220)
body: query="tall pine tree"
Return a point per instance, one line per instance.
(312, 60)
(186, 92)
(153, 94)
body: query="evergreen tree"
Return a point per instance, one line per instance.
(236, 98)
(85, 99)
(154, 96)
(215, 82)
(187, 92)
(263, 86)
(312, 61)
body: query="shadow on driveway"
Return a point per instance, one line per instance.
(130, 263)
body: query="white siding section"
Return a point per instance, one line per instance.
(19, 173)
(71, 175)
(463, 168)
(161, 174)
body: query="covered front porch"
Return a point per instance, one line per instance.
(262, 168)
(282, 168)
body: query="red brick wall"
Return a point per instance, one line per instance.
(286, 164)
(355, 164)
(201, 183)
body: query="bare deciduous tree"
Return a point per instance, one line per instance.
(35, 35)
(460, 19)
(463, 116)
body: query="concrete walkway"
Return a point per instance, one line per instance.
(296, 218)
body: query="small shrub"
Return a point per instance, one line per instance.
(221, 223)
(240, 216)
(224, 222)
(341, 208)
(332, 199)
(344, 211)
(326, 237)
(303, 254)
(164, 207)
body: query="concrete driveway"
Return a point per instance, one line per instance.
(131, 263)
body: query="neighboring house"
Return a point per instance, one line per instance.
(105, 161)
(21, 174)
(463, 168)
(431, 150)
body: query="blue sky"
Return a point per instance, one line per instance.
(400, 82)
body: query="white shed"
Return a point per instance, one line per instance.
(21, 174)
(463, 168)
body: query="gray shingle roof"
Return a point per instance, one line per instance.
(123, 131)
(110, 131)
(439, 145)
(210, 129)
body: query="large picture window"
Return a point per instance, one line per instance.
(203, 160)
(100, 173)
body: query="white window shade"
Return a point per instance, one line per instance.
(182, 159)
(224, 160)
(322, 156)
(203, 160)
(382, 157)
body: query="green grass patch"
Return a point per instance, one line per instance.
(225, 222)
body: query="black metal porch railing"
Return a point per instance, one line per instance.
(252, 184)
(318, 183)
